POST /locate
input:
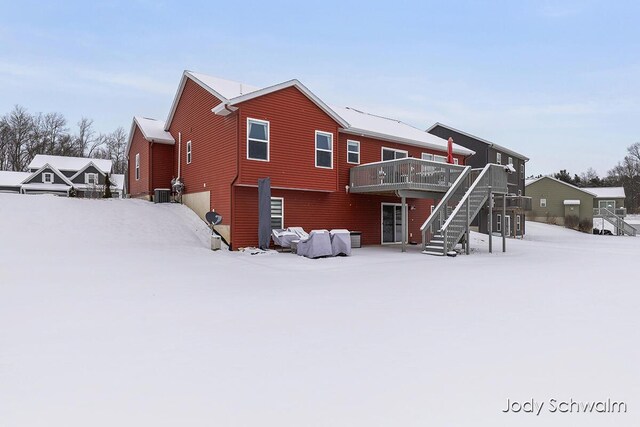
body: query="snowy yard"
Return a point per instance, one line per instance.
(116, 313)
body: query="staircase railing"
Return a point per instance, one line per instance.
(440, 211)
(617, 222)
(491, 178)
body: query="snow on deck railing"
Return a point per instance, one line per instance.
(406, 173)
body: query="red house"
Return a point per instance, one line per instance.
(329, 167)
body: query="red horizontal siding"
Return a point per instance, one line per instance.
(213, 138)
(140, 187)
(293, 120)
(162, 168)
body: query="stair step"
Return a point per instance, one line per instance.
(426, 252)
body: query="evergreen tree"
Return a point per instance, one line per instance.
(107, 187)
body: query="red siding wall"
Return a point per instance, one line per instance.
(213, 139)
(293, 120)
(162, 165)
(139, 188)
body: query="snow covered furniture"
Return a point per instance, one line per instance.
(283, 238)
(317, 245)
(340, 242)
(299, 231)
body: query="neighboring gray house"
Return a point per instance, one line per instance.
(490, 152)
(63, 175)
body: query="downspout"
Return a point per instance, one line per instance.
(151, 169)
(235, 178)
(179, 151)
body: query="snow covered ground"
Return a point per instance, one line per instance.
(115, 312)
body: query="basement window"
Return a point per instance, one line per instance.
(137, 166)
(257, 140)
(324, 150)
(47, 177)
(188, 152)
(353, 152)
(277, 213)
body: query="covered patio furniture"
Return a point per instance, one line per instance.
(317, 245)
(340, 242)
(283, 238)
(299, 231)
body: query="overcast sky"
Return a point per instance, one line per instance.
(556, 81)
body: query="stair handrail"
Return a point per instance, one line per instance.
(626, 227)
(466, 197)
(445, 199)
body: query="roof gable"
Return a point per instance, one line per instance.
(151, 129)
(37, 173)
(90, 164)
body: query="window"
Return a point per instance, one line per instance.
(257, 140)
(499, 158)
(517, 222)
(499, 223)
(510, 162)
(543, 203)
(521, 171)
(324, 150)
(137, 166)
(427, 156)
(91, 178)
(392, 154)
(277, 212)
(188, 152)
(455, 161)
(441, 159)
(47, 177)
(519, 192)
(353, 152)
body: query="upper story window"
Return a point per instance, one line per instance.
(91, 178)
(441, 159)
(137, 166)
(353, 152)
(257, 139)
(427, 156)
(324, 149)
(47, 177)
(188, 152)
(499, 158)
(392, 153)
(510, 162)
(521, 171)
(456, 161)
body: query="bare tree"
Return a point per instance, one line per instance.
(85, 138)
(116, 143)
(19, 131)
(627, 174)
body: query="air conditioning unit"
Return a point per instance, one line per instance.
(162, 195)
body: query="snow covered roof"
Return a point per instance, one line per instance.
(584, 190)
(68, 163)
(153, 130)
(362, 123)
(607, 192)
(46, 187)
(489, 143)
(572, 202)
(10, 178)
(118, 180)
(227, 89)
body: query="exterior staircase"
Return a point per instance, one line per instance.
(622, 227)
(468, 194)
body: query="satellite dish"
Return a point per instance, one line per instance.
(213, 218)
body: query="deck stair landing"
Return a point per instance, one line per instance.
(470, 194)
(621, 226)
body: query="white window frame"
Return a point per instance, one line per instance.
(395, 150)
(351, 141)
(456, 161)
(267, 141)
(46, 175)
(87, 175)
(510, 161)
(518, 223)
(499, 223)
(189, 154)
(137, 166)
(315, 142)
(282, 210)
(427, 156)
(440, 159)
(499, 158)
(522, 171)
(543, 202)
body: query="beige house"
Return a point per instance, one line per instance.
(553, 201)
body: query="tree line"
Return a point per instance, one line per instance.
(625, 174)
(23, 135)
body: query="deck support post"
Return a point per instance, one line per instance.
(404, 224)
(504, 228)
(490, 220)
(467, 227)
